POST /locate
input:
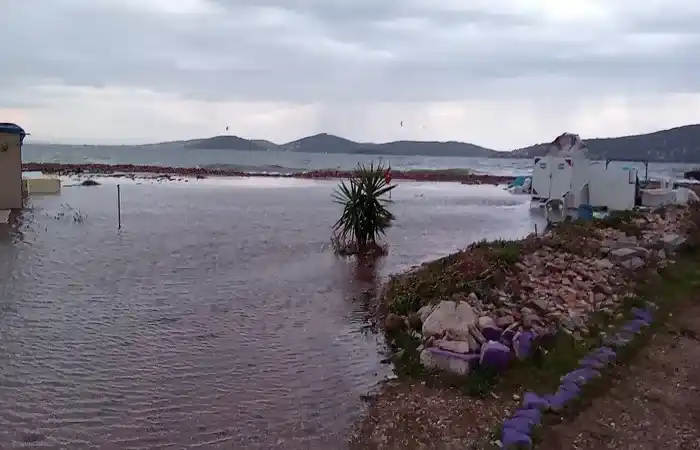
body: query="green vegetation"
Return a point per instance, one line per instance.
(478, 269)
(481, 268)
(365, 216)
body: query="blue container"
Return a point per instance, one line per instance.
(585, 212)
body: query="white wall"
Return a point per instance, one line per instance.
(612, 188)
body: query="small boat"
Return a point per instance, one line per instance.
(520, 186)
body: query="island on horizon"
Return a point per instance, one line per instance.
(674, 145)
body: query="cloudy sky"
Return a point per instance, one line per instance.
(498, 73)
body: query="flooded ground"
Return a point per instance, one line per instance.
(217, 317)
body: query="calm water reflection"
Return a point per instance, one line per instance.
(217, 318)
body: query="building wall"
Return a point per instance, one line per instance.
(10, 171)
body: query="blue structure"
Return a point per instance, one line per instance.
(585, 212)
(11, 128)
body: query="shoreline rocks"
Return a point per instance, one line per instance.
(551, 289)
(462, 176)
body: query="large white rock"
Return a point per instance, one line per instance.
(450, 318)
(442, 362)
(425, 312)
(671, 241)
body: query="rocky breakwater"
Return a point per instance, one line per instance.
(523, 293)
(456, 175)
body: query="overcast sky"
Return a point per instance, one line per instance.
(498, 73)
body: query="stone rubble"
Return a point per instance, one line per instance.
(556, 290)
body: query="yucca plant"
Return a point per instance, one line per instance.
(365, 216)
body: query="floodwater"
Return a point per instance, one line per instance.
(216, 318)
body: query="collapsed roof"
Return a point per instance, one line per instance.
(567, 144)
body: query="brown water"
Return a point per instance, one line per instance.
(217, 318)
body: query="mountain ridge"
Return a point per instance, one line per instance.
(679, 144)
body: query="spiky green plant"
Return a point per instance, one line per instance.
(365, 216)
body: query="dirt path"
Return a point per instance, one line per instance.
(412, 416)
(654, 405)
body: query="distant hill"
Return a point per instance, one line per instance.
(266, 145)
(450, 148)
(224, 143)
(681, 144)
(328, 143)
(324, 143)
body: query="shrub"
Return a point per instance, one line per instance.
(365, 216)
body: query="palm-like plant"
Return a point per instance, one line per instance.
(366, 216)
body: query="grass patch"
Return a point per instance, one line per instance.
(625, 221)
(476, 269)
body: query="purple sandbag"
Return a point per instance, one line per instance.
(521, 424)
(569, 386)
(580, 377)
(495, 355)
(531, 414)
(633, 326)
(512, 439)
(492, 333)
(617, 340)
(522, 344)
(532, 400)
(561, 398)
(591, 362)
(642, 314)
(605, 354)
(637, 324)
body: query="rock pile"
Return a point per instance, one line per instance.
(201, 172)
(457, 339)
(550, 290)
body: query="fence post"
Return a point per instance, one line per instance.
(119, 207)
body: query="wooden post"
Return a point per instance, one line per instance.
(119, 207)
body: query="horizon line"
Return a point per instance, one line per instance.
(49, 142)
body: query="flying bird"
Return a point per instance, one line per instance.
(402, 124)
(226, 128)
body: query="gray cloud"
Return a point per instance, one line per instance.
(344, 65)
(342, 50)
